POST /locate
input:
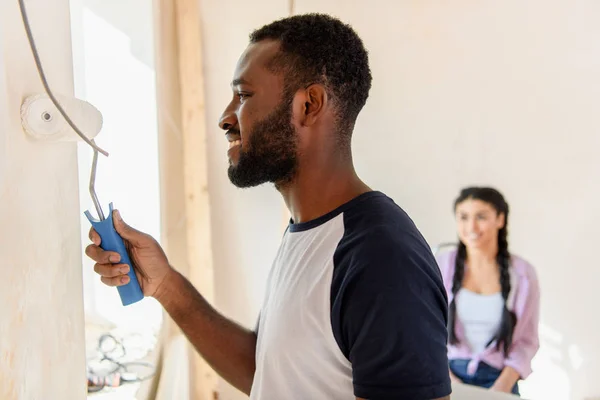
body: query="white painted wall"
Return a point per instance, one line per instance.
(41, 315)
(499, 93)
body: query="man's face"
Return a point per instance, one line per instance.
(258, 122)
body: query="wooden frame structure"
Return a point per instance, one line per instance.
(182, 132)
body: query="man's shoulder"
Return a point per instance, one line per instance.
(374, 209)
(378, 221)
(379, 228)
(381, 241)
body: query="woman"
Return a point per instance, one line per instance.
(493, 295)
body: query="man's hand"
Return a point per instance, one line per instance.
(226, 346)
(148, 258)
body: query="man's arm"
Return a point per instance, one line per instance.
(227, 347)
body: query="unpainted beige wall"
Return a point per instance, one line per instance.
(495, 93)
(42, 353)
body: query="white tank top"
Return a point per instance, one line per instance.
(480, 316)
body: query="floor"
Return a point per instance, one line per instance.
(107, 345)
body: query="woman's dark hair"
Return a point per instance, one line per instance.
(505, 332)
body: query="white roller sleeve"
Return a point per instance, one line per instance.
(41, 119)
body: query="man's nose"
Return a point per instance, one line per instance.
(228, 119)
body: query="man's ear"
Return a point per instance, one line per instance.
(315, 101)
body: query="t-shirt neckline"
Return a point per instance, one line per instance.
(304, 226)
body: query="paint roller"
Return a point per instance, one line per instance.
(50, 117)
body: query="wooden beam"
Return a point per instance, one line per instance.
(197, 206)
(184, 175)
(171, 143)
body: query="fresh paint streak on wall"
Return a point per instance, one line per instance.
(41, 319)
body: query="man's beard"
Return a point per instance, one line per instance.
(270, 153)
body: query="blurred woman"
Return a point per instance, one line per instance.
(493, 296)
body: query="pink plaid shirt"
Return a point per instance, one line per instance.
(523, 300)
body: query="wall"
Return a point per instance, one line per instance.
(456, 90)
(246, 224)
(114, 70)
(498, 93)
(41, 318)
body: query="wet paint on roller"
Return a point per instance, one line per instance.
(42, 351)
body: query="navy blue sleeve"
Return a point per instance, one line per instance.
(389, 315)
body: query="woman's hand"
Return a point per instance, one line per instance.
(506, 381)
(501, 387)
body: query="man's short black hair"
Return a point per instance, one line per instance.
(317, 48)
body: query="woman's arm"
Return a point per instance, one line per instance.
(526, 338)
(506, 381)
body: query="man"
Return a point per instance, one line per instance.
(355, 304)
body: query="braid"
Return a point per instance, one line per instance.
(503, 260)
(509, 319)
(459, 273)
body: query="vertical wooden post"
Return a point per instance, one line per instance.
(182, 127)
(171, 144)
(42, 348)
(191, 78)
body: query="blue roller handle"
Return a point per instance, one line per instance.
(111, 241)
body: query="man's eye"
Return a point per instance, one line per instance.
(243, 96)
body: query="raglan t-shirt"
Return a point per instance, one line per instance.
(355, 307)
